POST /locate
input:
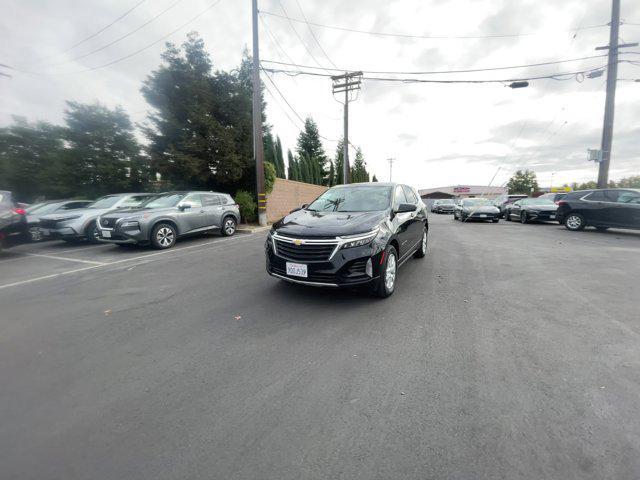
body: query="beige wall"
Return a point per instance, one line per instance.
(287, 195)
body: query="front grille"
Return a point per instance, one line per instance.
(306, 252)
(313, 277)
(108, 222)
(45, 223)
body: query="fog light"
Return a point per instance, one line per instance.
(369, 268)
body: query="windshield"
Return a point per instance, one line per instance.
(165, 201)
(446, 202)
(105, 202)
(43, 208)
(476, 202)
(353, 199)
(537, 201)
(35, 207)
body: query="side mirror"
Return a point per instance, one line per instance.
(183, 207)
(304, 205)
(406, 207)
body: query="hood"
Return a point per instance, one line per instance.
(305, 223)
(78, 212)
(482, 209)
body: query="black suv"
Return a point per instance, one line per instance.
(614, 207)
(350, 235)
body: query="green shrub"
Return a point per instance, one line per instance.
(247, 206)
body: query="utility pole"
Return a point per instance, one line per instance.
(349, 82)
(612, 79)
(390, 160)
(258, 146)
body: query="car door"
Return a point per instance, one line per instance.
(191, 214)
(624, 208)
(402, 221)
(515, 209)
(213, 209)
(594, 208)
(416, 222)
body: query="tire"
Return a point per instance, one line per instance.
(507, 216)
(422, 249)
(34, 234)
(382, 288)
(229, 225)
(602, 229)
(575, 222)
(163, 236)
(495, 220)
(91, 233)
(524, 217)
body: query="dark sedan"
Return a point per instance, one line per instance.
(531, 210)
(602, 209)
(476, 209)
(443, 206)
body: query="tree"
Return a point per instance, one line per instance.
(523, 182)
(269, 177)
(280, 169)
(630, 182)
(103, 150)
(339, 175)
(201, 133)
(309, 143)
(291, 162)
(374, 179)
(33, 162)
(359, 171)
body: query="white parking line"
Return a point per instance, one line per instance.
(236, 240)
(55, 257)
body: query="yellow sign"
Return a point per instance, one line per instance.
(560, 189)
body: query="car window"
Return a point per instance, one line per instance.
(408, 193)
(399, 196)
(352, 199)
(629, 197)
(195, 200)
(133, 201)
(211, 200)
(44, 209)
(597, 196)
(73, 205)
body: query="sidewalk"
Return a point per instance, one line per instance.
(251, 228)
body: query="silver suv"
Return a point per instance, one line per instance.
(163, 219)
(81, 223)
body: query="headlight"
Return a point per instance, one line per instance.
(358, 240)
(130, 224)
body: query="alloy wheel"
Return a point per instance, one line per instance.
(574, 222)
(229, 226)
(390, 273)
(165, 236)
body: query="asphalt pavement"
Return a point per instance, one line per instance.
(510, 351)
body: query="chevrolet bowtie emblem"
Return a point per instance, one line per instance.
(297, 242)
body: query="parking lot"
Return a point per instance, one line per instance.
(510, 351)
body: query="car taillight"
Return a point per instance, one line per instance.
(20, 211)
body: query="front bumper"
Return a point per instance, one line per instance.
(122, 236)
(543, 216)
(444, 210)
(347, 268)
(481, 216)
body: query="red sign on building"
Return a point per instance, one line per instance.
(461, 189)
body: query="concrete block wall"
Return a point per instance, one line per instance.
(287, 195)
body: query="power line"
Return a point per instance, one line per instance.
(404, 35)
(275, 41)
(99, 49)
(86, 39)
(140, 50)
(314, 35)
(435, 72)
(555, 76)
(297, 34)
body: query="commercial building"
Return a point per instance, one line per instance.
(463, 191)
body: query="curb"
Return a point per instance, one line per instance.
(252, 228)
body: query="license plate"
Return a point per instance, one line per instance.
(552, 217)
(483, 216)
(297, 269)
(106, 234)
(45, 232)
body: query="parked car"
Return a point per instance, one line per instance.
(476, 209)
(502, 201)
(350, 235)
(445, 205)
(163, 219)
(602, 209)
(81, 223)
(531, 209)
(555, 197)
(36, 211)
(13, 225)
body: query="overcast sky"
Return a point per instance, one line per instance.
(439, 134)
